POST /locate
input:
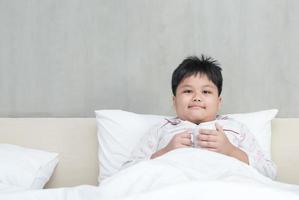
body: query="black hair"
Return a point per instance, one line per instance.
(193, 66)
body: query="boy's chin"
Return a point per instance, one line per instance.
(198, 120)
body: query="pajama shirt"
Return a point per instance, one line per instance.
(238, 134)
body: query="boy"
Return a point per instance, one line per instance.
(196, 87)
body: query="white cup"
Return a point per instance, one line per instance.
(196, 131)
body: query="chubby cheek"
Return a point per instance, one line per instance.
(215, 106)
(181, 102)
(181, 109)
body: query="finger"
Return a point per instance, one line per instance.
(185, 135)
(207, 132)
(208, 137)
(186, 142)
(211, 149)
(207, 144)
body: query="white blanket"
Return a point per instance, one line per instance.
(180, 174)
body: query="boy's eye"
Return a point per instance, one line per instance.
(187, 91)
(207, 92)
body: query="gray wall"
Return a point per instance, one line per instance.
(69, 57)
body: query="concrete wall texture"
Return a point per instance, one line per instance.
(67, 58)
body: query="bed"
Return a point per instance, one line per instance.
(76, 141)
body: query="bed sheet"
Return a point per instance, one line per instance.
(180, 174)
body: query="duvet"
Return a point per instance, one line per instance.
(178, 175)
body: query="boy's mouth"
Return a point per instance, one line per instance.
(196, 107)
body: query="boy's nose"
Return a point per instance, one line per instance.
(196, 99)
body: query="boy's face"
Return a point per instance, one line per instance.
(197, 99)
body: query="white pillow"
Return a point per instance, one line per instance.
(120, 131)
(5, 188)
(24, 167)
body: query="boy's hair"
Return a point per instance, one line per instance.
(193, 66)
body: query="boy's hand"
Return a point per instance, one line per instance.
(180, 140)
(215, 140)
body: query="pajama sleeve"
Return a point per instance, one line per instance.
(256, 156)
(145, 148)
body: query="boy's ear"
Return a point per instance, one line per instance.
(220, 99)
(173, 100)
(220, 102)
